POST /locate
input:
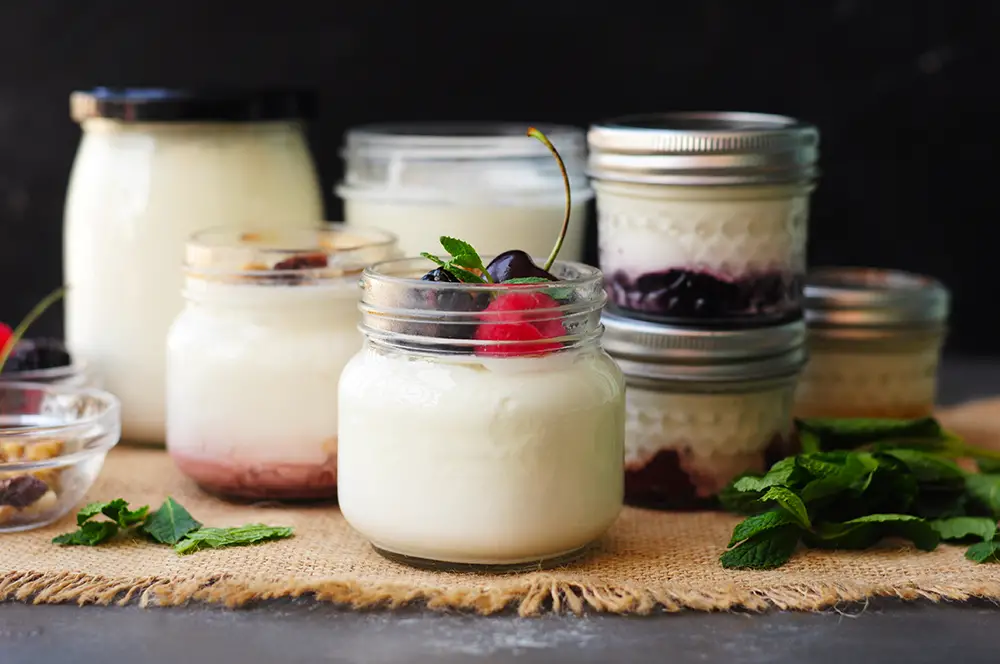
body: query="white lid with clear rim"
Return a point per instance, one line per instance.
(472, 163)
(655, 351)
(704, 148)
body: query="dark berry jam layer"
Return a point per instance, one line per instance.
(688, 294)
(676, 479)
(249, 481)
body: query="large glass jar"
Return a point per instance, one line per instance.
(153, 167)
(480, 427)
(703, 406)
(702, 216)
(489, 184)
(254, 358)
(875, 339)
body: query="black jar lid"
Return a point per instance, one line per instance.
(192, 105)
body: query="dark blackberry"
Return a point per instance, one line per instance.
(35, 354)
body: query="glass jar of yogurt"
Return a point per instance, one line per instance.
(703, 406)
(702, 216)
(875, 339)
(254, 358)
(464, 447)
(153, 167)
(489, 184)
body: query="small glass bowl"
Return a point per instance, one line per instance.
(53, 441)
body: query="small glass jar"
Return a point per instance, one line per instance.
(489, 184)
(254, 358)
(875, 339)
(702, 217)
(463, 447)
(703, 406)
(153, 167)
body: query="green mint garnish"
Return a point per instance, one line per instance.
(221, 537)
(463, 261)
(89, 534)
(861, 481)
(170, 523)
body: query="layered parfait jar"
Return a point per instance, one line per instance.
(703, 406)
(481, 425)
(702, 216)
(253, 359)
(875, 339)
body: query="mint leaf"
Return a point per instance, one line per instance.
(984, 552)
(868, 530)
(780, 474)
(790, 502)
(527, 280)
(89, 534)
(766, 550)
(434, 259)
(853, 474)
(927, 467)
(983, 491)
(962, 527)
(760, 523)
(221, 537)
(117, 510)
(809, 441)
(457, 248)
(850, 433)
(988, 466)
(170, 523)
(463, 275)
(472, 261)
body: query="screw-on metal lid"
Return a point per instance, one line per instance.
(872, 297)
(704, 148)
(194, 105)
(666, 352)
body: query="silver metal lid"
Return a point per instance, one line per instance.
(872, 297)
(704, 148)
(665, 352)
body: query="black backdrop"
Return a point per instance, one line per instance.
(905, 94)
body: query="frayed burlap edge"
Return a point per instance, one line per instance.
(532, 598)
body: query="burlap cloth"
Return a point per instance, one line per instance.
(650, 561)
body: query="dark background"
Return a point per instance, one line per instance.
(905, 94)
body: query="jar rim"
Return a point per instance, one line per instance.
(870, 297)
(330, 251)
(401, 310)
(468, 140)
(109, 406)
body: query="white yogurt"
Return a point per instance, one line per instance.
(137, 191)
(491, 229)
(252, 371)
(489, 184)
(481, 462)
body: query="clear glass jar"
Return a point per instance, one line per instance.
(875, 339)
(702, 406)
(153, 167)
(702, 217)
(254, 358)
(489, 184)
(459, 449)
(75, 374)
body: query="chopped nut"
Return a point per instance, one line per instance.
(254, 267)
(43, 450)
(302, 262)
(49, 475)
(12, 451)
(7, 513)
(48, 501)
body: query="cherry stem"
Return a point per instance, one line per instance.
(32, 316)
(534, 133)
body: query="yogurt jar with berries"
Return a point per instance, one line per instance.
(703, 406)
(481, 424)
(253, 359)
(702, 217)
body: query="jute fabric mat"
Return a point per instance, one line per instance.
(650, 561)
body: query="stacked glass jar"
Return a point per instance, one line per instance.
(702, 224)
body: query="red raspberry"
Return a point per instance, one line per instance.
(6, 336)
(509, 318)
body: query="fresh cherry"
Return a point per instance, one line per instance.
(6, 335)
(509, 318)
(515, 264)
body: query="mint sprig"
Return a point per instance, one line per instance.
(465, 263)
(859, 482)
(171, 524)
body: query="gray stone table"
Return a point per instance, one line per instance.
(294, 632)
